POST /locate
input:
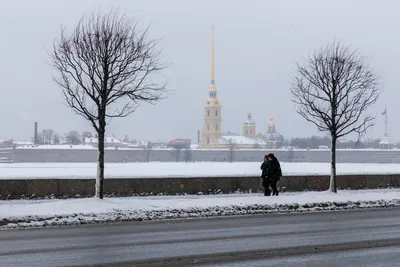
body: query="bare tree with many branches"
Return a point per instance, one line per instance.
(48, 136)
(73, 138)
(333, 90)
(56, 139)
(106, 68)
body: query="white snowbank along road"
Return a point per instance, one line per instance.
(23, 213)
(169, 169)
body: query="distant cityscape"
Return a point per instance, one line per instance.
(210, 137)
(270, 140)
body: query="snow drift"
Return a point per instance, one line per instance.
(39, 213)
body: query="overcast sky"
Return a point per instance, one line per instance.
(257, 44)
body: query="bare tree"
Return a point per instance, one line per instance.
(178, 146)
(47, 136)
(187, 155)
(177, 151)
(40, 139)
(333, 90)
(106, 68)
(56, 139)
(147, 150)
(73, 138)
(231, 144)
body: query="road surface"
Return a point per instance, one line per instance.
(351, 238)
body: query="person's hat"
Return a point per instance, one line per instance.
(270, 155)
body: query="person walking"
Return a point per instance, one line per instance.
(265, 181)
(271, 174)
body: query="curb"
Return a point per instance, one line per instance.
(190, 213)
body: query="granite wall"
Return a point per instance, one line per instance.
(90, 155)
(64, 188)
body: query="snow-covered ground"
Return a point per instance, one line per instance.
(37, 213)
(169, 169)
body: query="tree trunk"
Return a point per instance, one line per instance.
(148, 154)
(178, 155)
(332, 185)
(100, 162)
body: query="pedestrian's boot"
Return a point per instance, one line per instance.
(267, 193)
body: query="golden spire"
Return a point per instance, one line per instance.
(212, 62)
(212, 58)
(271, 122)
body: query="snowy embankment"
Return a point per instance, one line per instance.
(22, 213)
(171, 170)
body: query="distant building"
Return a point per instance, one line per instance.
(246, 141)
(272, 138)
(126, 140)
(108, 141)
(249, 127)
(385, 142)
(6, 143)
(240, 142)
(212, 136)
(229, 133)
(24, 144)
(159, 145)
(6, 154)
(87, 134)
(180, 143)
(211, 132)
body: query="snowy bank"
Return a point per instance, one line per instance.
(177, 170)
(22, 213)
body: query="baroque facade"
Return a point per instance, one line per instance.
(211, 134)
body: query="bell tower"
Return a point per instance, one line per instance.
(249, 127)
(211, 132)
(271, 125)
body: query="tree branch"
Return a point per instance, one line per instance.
(334, 89)
(106, 67)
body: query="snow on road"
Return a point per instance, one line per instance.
(169, 169)
(24, 213)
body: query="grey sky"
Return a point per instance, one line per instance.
(257, 46)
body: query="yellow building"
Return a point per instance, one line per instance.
(211, 132)
(272, 138)
(247, 140)
(249, 127)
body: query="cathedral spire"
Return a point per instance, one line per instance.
(212, 59)
(211, 133)
(213, 89)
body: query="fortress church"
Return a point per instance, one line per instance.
(212, 135)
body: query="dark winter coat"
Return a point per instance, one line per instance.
(264, 168)
(271, 169)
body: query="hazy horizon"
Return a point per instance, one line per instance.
(257, 45)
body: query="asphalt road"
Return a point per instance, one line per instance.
(352, 238)
(381, 257)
